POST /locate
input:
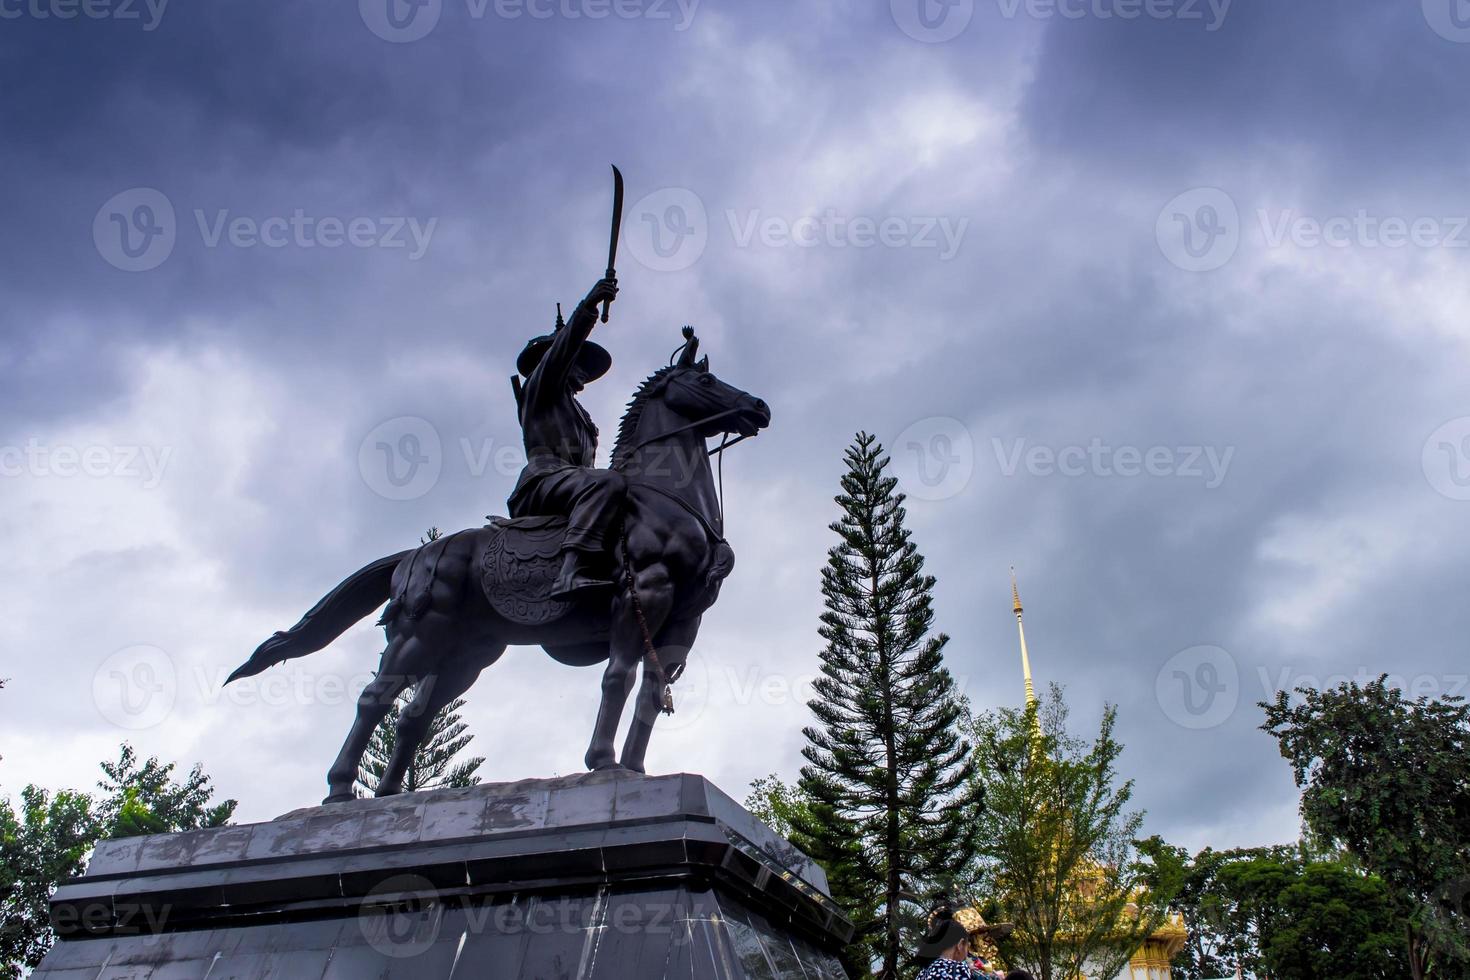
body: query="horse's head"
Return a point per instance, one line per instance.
(685, 400)
(691, 391)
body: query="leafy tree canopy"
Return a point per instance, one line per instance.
(1388, 779)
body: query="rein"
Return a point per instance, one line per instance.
(685, 428)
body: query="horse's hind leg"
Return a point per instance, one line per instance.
(433, 693)
(372, 705)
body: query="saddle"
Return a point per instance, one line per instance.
(520, 565)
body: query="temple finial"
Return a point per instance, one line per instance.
(1021, 629)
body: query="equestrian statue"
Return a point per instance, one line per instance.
(608, 566)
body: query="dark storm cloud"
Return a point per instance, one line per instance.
(1368, 90)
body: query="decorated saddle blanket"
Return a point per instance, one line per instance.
(519, 568)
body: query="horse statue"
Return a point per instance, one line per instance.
(456, 602)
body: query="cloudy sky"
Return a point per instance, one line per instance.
(1158, 300)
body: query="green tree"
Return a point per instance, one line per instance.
(778, 804)
(1277, 912)
(1222, 910)
(1335, 922)
(49, 840)
(1389, 780)
(143, 798)
(43, 844)
(433, 765)
(1058, 849)
(892, 805)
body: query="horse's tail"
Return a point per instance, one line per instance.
(359, 594)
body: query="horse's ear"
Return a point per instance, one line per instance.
(703, 364)
(691, 348)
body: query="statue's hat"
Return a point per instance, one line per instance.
(593, 359)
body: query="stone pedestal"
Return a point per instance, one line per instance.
(602, 875)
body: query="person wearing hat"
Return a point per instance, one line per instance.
(561, 445)
(975, 951)
(983, 958)
(949, 942)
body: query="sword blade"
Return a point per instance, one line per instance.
(617, 221)
(617, 228)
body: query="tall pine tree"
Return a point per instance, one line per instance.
(893, 806)
(433, 765)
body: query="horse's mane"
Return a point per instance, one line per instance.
(623, 447)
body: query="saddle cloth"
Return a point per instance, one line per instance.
(519, 567)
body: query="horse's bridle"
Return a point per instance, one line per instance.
(725, 443)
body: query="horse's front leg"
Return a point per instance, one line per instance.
(655, 591)
(673, 646)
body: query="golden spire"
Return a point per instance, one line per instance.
(1021, 629)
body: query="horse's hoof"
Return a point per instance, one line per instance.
(346, 797)
(611, 767)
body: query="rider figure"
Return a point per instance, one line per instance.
(561, 445)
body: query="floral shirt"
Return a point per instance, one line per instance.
(946, 970)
